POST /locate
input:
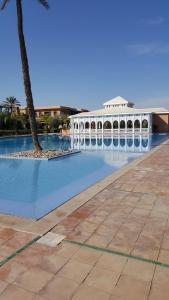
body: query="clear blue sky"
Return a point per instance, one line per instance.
(83, 52)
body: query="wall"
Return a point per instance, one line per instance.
(160, 122)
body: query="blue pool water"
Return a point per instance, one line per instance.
(32, 188)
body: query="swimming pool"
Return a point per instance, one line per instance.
(32, 188)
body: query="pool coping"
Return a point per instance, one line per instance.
(49, 221)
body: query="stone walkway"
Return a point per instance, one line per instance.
(131, 216)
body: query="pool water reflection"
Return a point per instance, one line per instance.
(32, 188)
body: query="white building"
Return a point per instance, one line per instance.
(117, 117)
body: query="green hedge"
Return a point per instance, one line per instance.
(17, 132)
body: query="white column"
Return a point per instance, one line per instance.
(118, 124)
(140, 119)
(133, 119)
(102, 125)
(125, 118)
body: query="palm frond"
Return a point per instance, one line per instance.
(44, 3)
(4, 3)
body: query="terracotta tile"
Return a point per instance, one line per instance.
(15, 293)
(159, 294)
(88, 227)
(11, 271)
(165, 243)
(161, 276)
(59, 288)
(121, 245)
(107, 230)
(67, 250)
(102, 279)
(6, 250)
(34, 279)
(99, 240)
(139, 270)
(131, 289)
(52, 263)
(20, 239)
(85, 292)
(3, 285)
(78, 235)
(75, 270)
(111, 262)
(37, 297)
(6, 233)
(87, 256)
(164, 256)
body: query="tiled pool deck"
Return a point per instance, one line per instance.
(127, 212)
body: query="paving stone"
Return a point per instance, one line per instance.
(67, 250)
(159, 294)
(34, 279)
(87, 256)
(59, 288)
(102, 279)
(85, 292)
(52, 263)
(15, 293)
(111, 262)
(75, 270)
(164, 256)
(99, 240)
(131, 289)
(139, 270)
(161, 276)
(3, 285)
(11, 271)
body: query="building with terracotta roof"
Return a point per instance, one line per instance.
(53, 111)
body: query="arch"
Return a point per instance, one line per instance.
(115, 125)
(87, 142)
(129, 124)
(137, 142)
(99, 141)
(81, 125)
(76, 125)
(107, 142)
(87, 125)
(144, 123)
(144, 142)
(136, 124)
(116, 142)
(81, 141)
(93, 125)
(122, 124)
(122, 142)
(107, 125)
(129, 142)
(93, 142)
(99, 125)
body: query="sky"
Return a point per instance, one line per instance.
(84, 52)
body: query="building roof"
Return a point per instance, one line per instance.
(117, 100)
(120, 111)
(55, 107)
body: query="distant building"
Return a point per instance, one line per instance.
(120, 117)
(53, 111)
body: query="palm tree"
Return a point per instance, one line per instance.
(25, 69)
(11, 104)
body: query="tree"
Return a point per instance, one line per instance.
(25, 69)
(11, 104)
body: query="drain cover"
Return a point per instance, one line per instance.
(51, 239)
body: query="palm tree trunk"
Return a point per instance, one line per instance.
(26, 77)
